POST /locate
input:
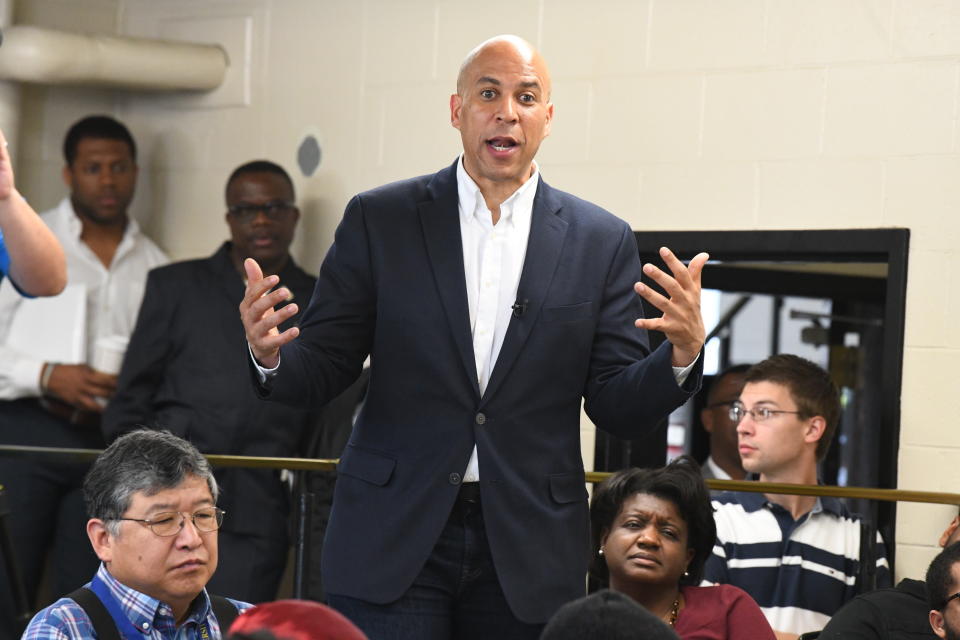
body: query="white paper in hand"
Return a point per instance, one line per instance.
(52, 329)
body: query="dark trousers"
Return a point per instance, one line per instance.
(47, 514)
(249, 568)
(457, 595)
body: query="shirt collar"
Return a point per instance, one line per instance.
(515, 210)
(755, 501)
(751, 501)
(142, 609)
(716, 469)
(75, 226)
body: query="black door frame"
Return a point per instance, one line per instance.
(888, 246)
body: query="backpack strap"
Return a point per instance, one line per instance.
(225, 611)
(99, 616)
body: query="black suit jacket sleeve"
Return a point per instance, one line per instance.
(144, 364)
(324, 363)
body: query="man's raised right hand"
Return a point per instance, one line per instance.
(260, 320)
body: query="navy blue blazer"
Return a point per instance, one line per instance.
(393, 285)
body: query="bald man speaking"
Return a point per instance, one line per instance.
(490, 304)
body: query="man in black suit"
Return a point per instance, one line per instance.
(186, 370)
(490, 304)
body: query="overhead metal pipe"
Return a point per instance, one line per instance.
(48, 56)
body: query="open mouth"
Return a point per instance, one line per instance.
(502, 144)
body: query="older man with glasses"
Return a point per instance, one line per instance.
(797, 556)
(152, 502)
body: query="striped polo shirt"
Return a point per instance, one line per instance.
(799, 571)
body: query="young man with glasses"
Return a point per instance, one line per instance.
(943, 593)
(186, 369)
(798, 556)
(152, 502)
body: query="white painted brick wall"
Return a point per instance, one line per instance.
(675, 114)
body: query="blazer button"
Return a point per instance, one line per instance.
(480, 418)
(455, 478)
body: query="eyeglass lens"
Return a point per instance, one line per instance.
(760, 414)
(168, 524)
(273, 210)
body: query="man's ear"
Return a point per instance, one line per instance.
(100, 539)
(455, 103)
(706, 417)
(67, 177)
(936, 623)
(549, 121)
(816, 426)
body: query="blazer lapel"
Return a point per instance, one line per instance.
(441, 231)
(232, 285)
(547, 232)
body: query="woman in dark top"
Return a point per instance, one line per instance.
(654, 530)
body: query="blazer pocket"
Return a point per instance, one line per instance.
(568, 312)
(369, 466)
(568, 487)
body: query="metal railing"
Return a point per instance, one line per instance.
(304, 464)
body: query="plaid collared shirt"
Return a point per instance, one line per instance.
(66, 620)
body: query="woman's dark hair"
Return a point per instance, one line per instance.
(679, 482)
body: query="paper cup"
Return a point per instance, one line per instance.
(108, 354)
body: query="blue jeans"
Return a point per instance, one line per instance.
(456, 596)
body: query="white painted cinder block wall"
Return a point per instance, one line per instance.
(675, 114)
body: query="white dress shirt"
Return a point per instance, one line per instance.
(492, 262)
(113, 296)
(493, 257)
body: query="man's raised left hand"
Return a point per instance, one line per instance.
(681, 321)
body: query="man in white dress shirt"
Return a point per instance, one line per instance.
(49, 403)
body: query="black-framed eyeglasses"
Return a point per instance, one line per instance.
(947, 601)
(761, 414)
(170, 523)
(276, 210)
